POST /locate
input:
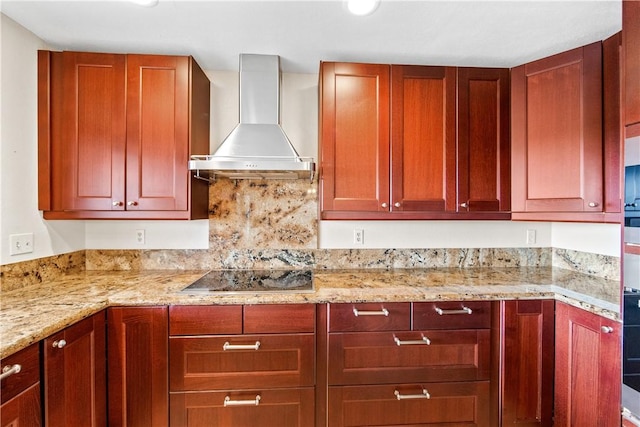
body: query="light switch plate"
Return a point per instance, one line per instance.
(20, 243)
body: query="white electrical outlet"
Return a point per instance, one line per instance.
(140, 237)
(358, 237)
(531, 237)
(20, 243)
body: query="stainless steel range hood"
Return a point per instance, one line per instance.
(257, 148)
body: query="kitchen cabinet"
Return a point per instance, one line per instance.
(20, 389)
(115, 133)
(527, 363)
(631, 43)
(556, 140)
(587, 369)
(242, 365)
(388, 142)
(405, 363)
(138, 366)
(75, 386)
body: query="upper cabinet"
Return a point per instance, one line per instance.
(115, 135)
(390, 147)
(631, 41)
(558, 153)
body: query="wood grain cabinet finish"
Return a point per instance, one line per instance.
(259, 372)
(75, 386)
(115, 135)
(556, 139)
(527, 363)
(631, 43)
(138, 366)
(587, 369)
(20, 392)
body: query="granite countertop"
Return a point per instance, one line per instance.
(32, 313)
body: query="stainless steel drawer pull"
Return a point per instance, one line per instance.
(464, 310)
(425, 395)
(228, 346)
(253, 402)
(423, 341)
(9, 370)
(382, 312)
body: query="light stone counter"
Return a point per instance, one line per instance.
(34, 312)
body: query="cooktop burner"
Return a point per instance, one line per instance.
(241, 281)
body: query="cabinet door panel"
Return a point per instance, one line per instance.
(484, 173)
(355, 136)
(631, 40)
(22, 410)
(157, 132)
(88, 128)
(29, 361)
(423, 160)
(392, 316)
(75, 375)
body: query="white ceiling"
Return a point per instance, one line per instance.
(465, 33)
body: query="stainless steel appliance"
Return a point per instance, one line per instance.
(256, 281)
(631, 280)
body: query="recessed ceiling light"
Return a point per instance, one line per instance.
(145, 3)
(362, 7)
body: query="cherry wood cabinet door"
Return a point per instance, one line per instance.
(75, 384)
(557, 133)
(587, 369)
(528, 351)
(22, 410)
(138, 366)
(631, 42)
(484, 156)
(354, 137)
(20, 391)
(423, 133)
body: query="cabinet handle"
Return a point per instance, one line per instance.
(9, 370)
(132, 203)
(385, 205)
(464, 205)
(423, 341)
(382, 312)
(464, 310)
(606, 329)
(425, 395)
(593, 204)
(253, 402)
(630, 205)
(228, 346)
(117, 203)
(59, 343)
(397, 204)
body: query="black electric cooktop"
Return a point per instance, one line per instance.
(241, 281)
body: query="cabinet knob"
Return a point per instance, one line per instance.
(606, 329)
(397, 204)
(384, 205)
(59, 343)
(117, 203)
(593, 204)
(132, 203)
(464, 205)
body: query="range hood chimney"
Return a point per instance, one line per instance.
(257, 148)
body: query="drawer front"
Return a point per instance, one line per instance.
(452, 315)
(369, 317)
(241, 361)
(274, 319)
(451, 404)
(16, 383)
(205, 319)
(393, 357)
(282, 408)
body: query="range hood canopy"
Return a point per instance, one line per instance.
(257, 148)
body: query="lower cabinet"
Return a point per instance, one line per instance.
(20, 389)
(587, 369)
(138, 367)
(242, 366)
(75, 375)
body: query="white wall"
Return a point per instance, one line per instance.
(18, 159)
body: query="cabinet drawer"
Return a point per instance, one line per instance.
(205, 320)
(452, 315)
(29, 361)
(370, 317)
(285, 318)
(453, 404)
(283, 407)
(241, 361)
(392, 357)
